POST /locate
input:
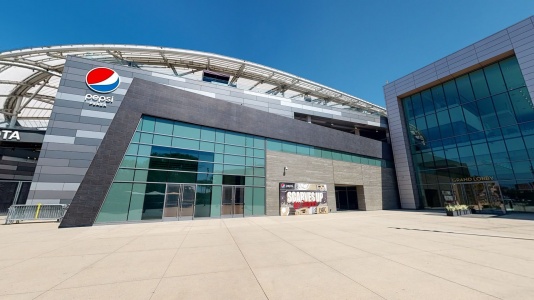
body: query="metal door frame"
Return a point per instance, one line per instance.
(179, 216)
(183, 185)
(234, 187)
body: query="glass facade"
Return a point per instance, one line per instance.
(167, 160)
(289, 147)
(475, 129)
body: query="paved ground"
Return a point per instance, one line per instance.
(356, 255)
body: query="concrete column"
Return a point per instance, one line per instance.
(361, 197)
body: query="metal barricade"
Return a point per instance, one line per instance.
(32, 212)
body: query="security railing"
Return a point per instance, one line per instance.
(35, 212)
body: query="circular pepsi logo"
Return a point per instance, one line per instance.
(102, 80)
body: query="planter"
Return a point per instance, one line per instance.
(455, 213)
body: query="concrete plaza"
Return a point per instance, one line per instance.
(351, 255)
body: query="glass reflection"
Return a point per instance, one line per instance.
(165, 153)
(479, 124)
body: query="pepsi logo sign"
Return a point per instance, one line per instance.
(102, 80)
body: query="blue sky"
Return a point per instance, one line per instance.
(353, 46)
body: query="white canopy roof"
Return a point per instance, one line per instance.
(32, 76)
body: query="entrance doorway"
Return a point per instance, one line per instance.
(233, 201)
(179, 202)
(346, 198)
(13, 193)
(482, 196)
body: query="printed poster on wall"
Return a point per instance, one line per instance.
(302, 198)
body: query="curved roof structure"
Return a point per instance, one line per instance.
(29, 78)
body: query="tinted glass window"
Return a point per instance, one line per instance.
(485, 121)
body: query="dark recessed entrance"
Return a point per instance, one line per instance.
(346, 197)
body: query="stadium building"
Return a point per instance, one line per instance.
(126, 133)
(133, 133)
(462, 128)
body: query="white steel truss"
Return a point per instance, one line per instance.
(29, 78)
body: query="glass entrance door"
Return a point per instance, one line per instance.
(172, 202)
(239, 201)
(179, 202)
(482, 196)
(233, 201)
(227, 201)
(187, 210)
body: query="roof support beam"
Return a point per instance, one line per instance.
(238, 74)
(29, 66)
(13, 120)
(255, 85)
(34, 118)
(42, 98)
(275, 90)
(190, 72)
(2, 69)
(282, 88)
(173, 69)
(24, 84)
(36, 63)
(50, 61)
(261, 81)
(17, 111)
(5, 112)
(40, 108)
(55, 55)
(119, 57)
(168, 63)
(27, 95)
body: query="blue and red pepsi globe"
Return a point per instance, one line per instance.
(102, 80)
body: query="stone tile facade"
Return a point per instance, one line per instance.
(375, 186)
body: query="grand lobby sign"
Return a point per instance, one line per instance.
(473, 179)
(302, 198)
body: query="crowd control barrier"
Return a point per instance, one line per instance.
(35, 212)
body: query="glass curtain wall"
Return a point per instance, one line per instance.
(301, 149)
(166, 152)
(479, 124)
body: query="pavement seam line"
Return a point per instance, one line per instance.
(243, 255)
(36, 256)
(328, 266)
(450, 257)
(166, 269)
(90, 265)
(462, 260)
(437, 276)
